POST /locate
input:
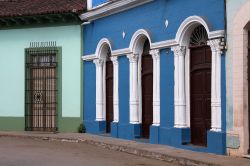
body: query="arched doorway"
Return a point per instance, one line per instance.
(109, 94)
(200, 86)
(104, 86)
(147, 89)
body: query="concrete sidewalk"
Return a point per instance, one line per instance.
(160, 152)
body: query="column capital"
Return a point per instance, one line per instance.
(114, 59)
(132, 57)
(179, 50)
(98, 62)
(215, 44)
(155, 53)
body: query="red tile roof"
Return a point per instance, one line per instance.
(14, 8)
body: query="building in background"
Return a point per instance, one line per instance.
(40, 65)
(155, 70)
(238, 69)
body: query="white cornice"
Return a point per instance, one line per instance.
(216, 34)
(164, 44)
(112, 8)
(156, 45)
(120, 52)
(89, 57)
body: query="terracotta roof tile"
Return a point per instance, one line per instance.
(12, 8)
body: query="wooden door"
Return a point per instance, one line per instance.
(248, 58)
(109, 95)
(200, 80)
(147, 94)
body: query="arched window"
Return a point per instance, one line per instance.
(199, 37)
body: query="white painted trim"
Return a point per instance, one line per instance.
(164, 44)
(192, 22)
(136, 40)
(156, 86)
(156, 45)
(188, 25)
(89, 57)
(99, 90)
(133, 89)
(182, 38)
(100, 58)
(102, 43)
(180, 114)
(215, 45)
(89, 4)
(139, 87)
(187, 85)
(114, 59)
(104, 89)
(112, 8)
(216, 34)
(121, 52)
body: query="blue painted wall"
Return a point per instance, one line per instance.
(151, 17)
(123, 97)
(98, 2)
(89, 97)
(146, 17)
(167, 94)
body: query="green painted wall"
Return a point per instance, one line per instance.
(12, 123)
(12, 69)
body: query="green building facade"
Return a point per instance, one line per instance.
(29, 100)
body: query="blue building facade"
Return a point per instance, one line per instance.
(164, 107)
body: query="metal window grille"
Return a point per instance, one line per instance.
(41, 87)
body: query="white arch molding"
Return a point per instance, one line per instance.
(101, 46)
(182, 73)
(136, 47)
(102, 50)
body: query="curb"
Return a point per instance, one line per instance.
(121, 148)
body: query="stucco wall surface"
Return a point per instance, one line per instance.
(12, 62)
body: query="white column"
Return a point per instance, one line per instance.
(115, 89)
(89, 4)
(180, 120)
(99, 89)
(133, 86)
(156, 86)
(216, 84)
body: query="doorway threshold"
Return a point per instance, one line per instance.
(192, 146)
(106, 135)
(142, 140)
(247, 156)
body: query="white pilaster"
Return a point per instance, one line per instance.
(116, 88)
(180, 120)
(156, 86)
(215, 45)
(89, 4)
(133, 89)
(99, 89)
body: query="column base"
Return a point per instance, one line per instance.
(154, 134)
(216, 142)
(114, 129)
(180, 136)
(134, 131)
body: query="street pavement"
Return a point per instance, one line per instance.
(35, 152)
(165, 153)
